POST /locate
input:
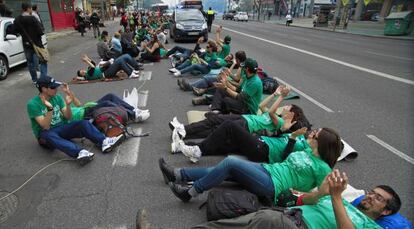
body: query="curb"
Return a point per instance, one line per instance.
(408, 38)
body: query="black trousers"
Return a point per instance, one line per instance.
(207, 126)
(226, 104)
(231, 138)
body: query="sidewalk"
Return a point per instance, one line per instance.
(365, 28)
(64, 32)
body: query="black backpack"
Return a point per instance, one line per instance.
(230, 203)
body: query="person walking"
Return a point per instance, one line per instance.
(95, 24)
(210, 18)
(4, 11)
(31, 31)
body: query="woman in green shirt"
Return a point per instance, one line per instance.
(301, 170)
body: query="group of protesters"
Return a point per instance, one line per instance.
(276, 146)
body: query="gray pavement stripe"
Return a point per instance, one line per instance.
(127, 153)
(373, 72)
(396, 57)
(149, 64)
(145, 75)
(392, 149)
(306, 96)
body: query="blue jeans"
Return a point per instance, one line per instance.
(59, 137)
(183, 65)
(250, 175)
(32, 63)
(204, 69)
(124, 62)
(205, 82)
(185, 52)
(110, 100)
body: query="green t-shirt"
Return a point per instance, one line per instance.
(36, 108)
(222, 62)
(301, 171)
(225, 50)
(278, 145)
(252, 87)
(210, 57)
(163, 52)
(78, 113)
(322, 216)
(97, 74)
(262, 122)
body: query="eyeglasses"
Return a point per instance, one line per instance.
(376, 196)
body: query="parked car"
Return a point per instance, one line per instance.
(241, 16)
(188, 24)
(229, 15)
(11, 48)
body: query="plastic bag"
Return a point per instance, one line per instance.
(131, 97)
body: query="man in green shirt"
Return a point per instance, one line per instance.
(322, 209)
(49, 114)
(239, 100)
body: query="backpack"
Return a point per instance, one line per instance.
(110, 121)
(230, 203)
(269, 85)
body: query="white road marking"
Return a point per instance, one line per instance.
(127, 152)
(377, 73)
(392, 149)
(145, 75)
(396, 57)
(142, 98)
(149, 64)
(306, 96)
(111, 227)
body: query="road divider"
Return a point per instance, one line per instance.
(356, 67)
(392, 149)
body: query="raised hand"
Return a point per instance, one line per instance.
(298, 132)
(285, 91)
(45, 102)
(200, 40)
(337, 183)
(288, 117)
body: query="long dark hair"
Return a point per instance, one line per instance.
(329, 146)
(299, 117)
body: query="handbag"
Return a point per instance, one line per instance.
(42, 53)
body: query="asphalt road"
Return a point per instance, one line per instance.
(108, 192)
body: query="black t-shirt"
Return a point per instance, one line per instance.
(30, 30)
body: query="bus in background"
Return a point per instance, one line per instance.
(194, 4)
(159, 7)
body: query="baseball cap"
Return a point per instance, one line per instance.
(251, 64)
(47, 81)
(227, 39)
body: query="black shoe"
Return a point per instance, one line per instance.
(167, 171)
(186, 85)
(199, 101)
(180, 191)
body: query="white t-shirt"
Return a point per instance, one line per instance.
(289, 17)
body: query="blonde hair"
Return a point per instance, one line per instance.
(117, 35)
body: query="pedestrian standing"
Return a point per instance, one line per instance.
(35, 13)
(4, 11)
(288, 19)
(80, 18)
(31, 31)
(210, 18)
(95, 24)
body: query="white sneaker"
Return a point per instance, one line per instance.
(111, 60)
(140, 110)
(109, 143)
(172, 70)
(133, 75)
(136, 72)
(174, 123)
(177, 73)
(85, 157)
(141, 116)
(192, 152)
(176, 142)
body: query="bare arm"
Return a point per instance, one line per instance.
(337, 184)
(153, 48)
(44, 121)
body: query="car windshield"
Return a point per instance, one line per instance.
(189, 15)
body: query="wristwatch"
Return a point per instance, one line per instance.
(49, 109)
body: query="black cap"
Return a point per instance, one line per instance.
(251, 64)
(47, 81)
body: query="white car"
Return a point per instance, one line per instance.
(11, 48)
(241, 16)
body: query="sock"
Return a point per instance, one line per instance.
(193, 192)
(177, 174)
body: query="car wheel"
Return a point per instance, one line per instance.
(4, 68)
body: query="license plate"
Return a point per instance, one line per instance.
(192, 33)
